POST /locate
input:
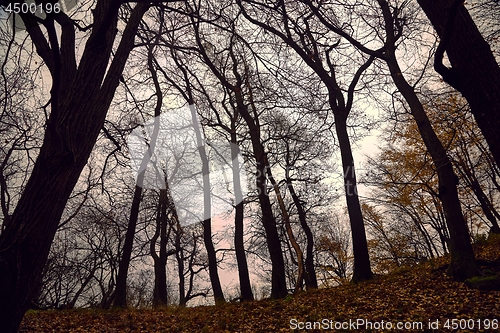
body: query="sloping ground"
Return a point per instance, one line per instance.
(420, 298)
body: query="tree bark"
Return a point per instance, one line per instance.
(241, 259)
(289, 231)
(474, 71)
(207, 212)
(120, 296)
(78, 111)
(310, 271)
(362, 268)
(463, 264)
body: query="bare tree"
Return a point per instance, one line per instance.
(474, 70)
(192, 86)
(463, 264)
(80, 98)
(185, 89)
(297, 28)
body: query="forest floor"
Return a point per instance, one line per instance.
(421, 297)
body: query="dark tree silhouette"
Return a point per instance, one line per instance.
(463, 264)
(474, 71)
(295, 30)
(80, 98)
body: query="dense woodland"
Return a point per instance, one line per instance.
(296, 89)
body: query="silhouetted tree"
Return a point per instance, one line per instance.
(296, 27)
(80, 98)
(474, 70)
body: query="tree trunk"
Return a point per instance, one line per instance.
(207, 212)
(463, 264)
(474, 72)
(212, 262)
(310, 271)
(289, 231)
(160, 261)
(362, 268)
(72, 130)
(425, 235)
(120, 296)
(278, 280)
(484, 202)
(179, 256)
(341, 109)
(241, 259)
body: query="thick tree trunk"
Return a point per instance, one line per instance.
(463, 264)
(362, 268)
(474, 72)
(160, 260)
(278, 279)
(72, 130)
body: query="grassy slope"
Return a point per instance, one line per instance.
(421, 293)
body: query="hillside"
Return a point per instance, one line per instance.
(422, 294)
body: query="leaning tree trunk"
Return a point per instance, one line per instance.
(485, 204)
(120, 295)
(207, 212)
(463, 264)
(80, 98)
(474, 71)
